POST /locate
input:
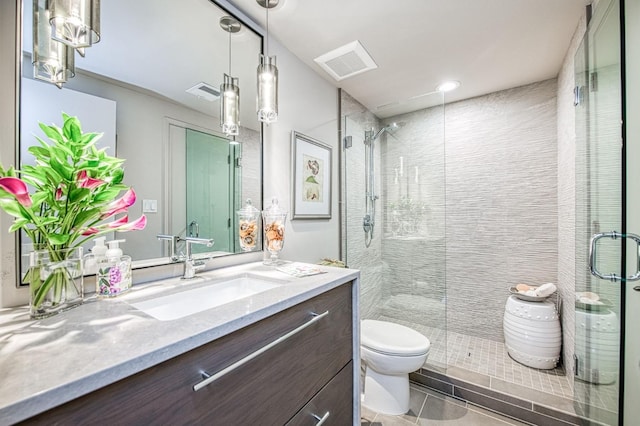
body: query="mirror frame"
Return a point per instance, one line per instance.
(158, 264)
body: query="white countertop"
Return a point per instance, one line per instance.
(48, 362)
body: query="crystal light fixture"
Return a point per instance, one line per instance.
(75, 23)
(267, 77)
(229, 90)
(52, 61)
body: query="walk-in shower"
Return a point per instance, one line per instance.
(368, 221)
(511, 195)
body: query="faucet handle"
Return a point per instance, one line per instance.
(173, 246)
(192, 240)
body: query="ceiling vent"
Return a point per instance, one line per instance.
(346, 61)
(205, 91)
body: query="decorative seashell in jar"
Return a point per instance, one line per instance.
(273, 225)
(248, 226)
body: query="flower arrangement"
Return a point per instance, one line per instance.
(75, 189)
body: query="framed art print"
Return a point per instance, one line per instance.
(311, 163)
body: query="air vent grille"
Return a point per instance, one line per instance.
(346, 61)
(205, 91)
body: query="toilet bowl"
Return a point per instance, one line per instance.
(389, 353)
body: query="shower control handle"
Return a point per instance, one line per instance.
(367, 223)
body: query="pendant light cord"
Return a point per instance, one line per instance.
(229, 51)
(267, 27)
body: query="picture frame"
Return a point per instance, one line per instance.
(311, 174)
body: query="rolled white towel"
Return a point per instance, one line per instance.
(545, 290)
(530, 293)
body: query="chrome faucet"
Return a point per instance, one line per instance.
(173, 246)
(191, 266)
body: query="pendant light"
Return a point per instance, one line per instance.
(267, 77)
(75, 23)
(229, 90)
(52, 61)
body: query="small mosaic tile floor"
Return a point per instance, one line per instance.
(490, 358)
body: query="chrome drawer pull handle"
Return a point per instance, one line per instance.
(212, 378)
(322, 419)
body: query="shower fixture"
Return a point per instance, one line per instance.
(368, 221)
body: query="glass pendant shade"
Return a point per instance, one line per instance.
(75, 22)
(52, 61)
(230, 106)
(267, 89)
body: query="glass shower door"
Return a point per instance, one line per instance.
(598, 210)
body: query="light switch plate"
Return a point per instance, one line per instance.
(149, 206)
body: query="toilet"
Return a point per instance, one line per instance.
(389, 353)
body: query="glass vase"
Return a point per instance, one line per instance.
(273, 226)
(55, 281)
(248, 226)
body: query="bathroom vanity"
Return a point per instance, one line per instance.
(287, 355)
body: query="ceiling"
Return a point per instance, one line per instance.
(487, 45)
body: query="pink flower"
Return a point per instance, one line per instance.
(17, 188)
(88, 182)
(136, 225)
(90, 231)
(121, 204)
(58, 194)
(117, 223)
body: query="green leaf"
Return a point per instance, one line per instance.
(107, 195)
(13, 208)
(52, 132)
(62, 169)
(311, 179)
(18, 223)
(89, 139)
(86, 216)
(71, 129)
(39, 151)
(79, 194)
(57, 239)
(117, 176)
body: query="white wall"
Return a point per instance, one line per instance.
(307, 104)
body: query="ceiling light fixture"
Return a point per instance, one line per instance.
(229, 90)
(75, 23)
(267, 77)
(52, 61)
(447, 86)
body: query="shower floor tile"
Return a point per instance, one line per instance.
(490, 358)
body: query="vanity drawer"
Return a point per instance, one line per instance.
(333, 403)
(267, 390)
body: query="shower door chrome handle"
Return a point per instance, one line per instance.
(593, 256)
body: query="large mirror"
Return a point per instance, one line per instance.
(134, 86)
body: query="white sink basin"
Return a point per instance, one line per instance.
(184, 303)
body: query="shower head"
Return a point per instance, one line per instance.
(390, 128)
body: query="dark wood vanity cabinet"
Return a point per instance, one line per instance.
(295, 382)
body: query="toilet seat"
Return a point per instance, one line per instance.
(392, 339)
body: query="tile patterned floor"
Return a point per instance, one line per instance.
(488, 357)
(431, 408)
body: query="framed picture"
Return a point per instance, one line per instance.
(311, 163)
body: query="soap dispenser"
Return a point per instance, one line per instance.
(114, 271)
(96, 255)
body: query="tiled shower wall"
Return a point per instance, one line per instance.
(501, 203)
(355, 120)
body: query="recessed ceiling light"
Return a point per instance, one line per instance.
(447, 86)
